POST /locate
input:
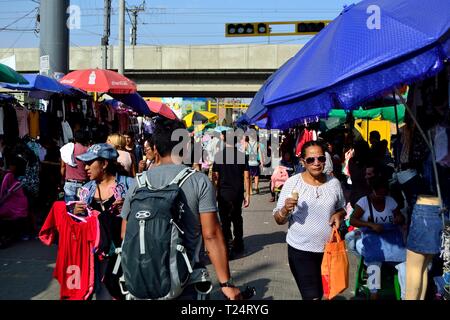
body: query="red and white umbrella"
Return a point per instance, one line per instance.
(161, 109)
(99, 80)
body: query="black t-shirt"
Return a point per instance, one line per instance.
(230, 164)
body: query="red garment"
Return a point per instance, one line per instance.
(306, 136)
(77, 242)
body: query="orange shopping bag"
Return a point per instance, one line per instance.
(334, 266)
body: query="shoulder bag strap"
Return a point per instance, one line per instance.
(370, 209)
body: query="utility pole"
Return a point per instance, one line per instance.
(54, 37)
(121, 67)
(106, 32)
(135, 12)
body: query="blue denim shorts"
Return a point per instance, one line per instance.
(425, 230)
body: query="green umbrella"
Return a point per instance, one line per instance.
(9, 75)
(386, 113)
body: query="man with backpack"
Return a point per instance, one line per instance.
(165, 216)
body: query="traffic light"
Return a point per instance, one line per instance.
(310, 27)
(246, 29)
(254, 29)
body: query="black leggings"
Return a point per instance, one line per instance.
(306, 268)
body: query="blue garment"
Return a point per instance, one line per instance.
(70, 190)
(425, 229)
(125, 182)
(385, 246)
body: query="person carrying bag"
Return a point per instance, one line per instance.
(335, 267)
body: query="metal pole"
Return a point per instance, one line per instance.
(428, 141)
(106, 32)
(396, 149)
(54, 37)
(121, 67)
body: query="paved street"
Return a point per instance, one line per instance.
(26, 267)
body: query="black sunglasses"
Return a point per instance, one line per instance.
(89, 163)
(311, 160)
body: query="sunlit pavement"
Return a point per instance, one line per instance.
(26, 267)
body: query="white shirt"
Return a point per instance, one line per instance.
(386, 216)
(309, 228)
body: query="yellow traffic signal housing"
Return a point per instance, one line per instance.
(246, 29)
(256, 29)
(310, 27)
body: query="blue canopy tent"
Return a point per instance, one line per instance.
(134, 101)
(43, 87)
(348, 63)
(359, 57)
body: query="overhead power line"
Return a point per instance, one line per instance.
(18, 19)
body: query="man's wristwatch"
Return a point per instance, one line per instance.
(229, 283)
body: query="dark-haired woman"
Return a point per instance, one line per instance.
(104, 192)
(319, 206)
(379, 212)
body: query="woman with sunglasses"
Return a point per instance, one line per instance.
(319, 206)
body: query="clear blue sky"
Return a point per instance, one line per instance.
(169, 22)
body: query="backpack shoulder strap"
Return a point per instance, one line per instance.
(186, 176)
(181, 176)
(141, 179)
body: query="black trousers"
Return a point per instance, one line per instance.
(306, 268)
(230, 211)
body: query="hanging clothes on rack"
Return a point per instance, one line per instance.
(10, 123)
(66, 129)
(2, 117)
(123, 122)
(140, 121)
(305, 136)
(441, 146)
(22, 120)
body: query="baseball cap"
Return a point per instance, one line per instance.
(99, 150)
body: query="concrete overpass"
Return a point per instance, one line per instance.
(171, 71)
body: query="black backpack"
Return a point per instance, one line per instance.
(154, 260)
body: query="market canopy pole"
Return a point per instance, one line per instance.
(396, 145)
(54, 38)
